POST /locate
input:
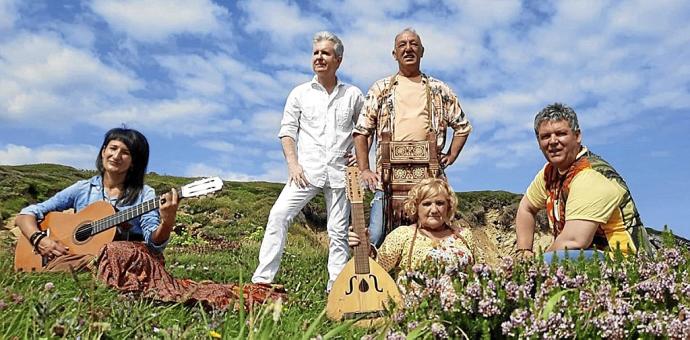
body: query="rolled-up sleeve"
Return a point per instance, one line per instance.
(150, 222)
(366, 124)
(455, 116)
(289, 125)
(63, 200)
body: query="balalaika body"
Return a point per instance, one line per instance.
(87, 231)
(363, 290)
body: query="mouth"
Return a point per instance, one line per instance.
(409, 56)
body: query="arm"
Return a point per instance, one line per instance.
(362, 143)
(28, 218)
(168, 213)
(525, 224)
(457, 120)
(455, 147)
(46, 247)
(295, 170)
(577, 234)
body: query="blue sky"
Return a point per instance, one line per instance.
(206, 81)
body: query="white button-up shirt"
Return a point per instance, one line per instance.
(321, 124)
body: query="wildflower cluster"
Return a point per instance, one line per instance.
(614, 298)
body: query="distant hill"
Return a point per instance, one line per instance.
(242, 208)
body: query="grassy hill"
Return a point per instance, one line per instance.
(217, 238)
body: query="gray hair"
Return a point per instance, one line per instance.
(408, 30)
(556, 112)
(337, 43)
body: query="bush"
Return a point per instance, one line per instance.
(637, 297)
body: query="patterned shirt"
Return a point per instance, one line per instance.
(378, 113)
(394, 253)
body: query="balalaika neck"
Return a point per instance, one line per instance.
(362, 249)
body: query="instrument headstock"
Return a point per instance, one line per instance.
(201, 187)
(354, 187)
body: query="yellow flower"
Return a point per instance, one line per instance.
(214, 334)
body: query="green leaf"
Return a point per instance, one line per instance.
(551, 303)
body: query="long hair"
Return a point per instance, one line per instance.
(139, 150)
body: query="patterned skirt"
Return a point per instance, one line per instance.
(131, 267)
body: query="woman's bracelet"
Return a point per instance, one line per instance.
(36, 238)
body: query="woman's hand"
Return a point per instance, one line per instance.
(51, 249)
(168, 209)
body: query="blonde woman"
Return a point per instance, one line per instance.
(431, 204)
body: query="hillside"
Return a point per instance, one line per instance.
(241, 208)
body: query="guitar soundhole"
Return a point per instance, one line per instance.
(83, 233)
(363, 286)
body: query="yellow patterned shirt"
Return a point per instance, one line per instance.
(394, 253)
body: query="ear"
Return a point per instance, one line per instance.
(394, 56)
(421, 51)
(578, 135)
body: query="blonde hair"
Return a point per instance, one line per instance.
(430, 187)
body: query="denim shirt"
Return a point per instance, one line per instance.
(82, 193)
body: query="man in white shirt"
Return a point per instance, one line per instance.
(316, 135)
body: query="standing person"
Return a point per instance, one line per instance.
(588, 203)
(407, 105)
(316, 135)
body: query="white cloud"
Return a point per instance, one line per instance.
(79, 156)
(156, 20)
(181, 116)
(46, 80)
(273, 173)
(286, 23)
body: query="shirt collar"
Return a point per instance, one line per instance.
(315, 82)
(96, 181)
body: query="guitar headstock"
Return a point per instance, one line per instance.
(353, 186)
(201, 187)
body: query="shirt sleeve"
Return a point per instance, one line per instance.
(536, 192)
(358, 105)
(454, 114)
(63, 200)
(150, 222)
(368, 118)
(390, 252)
(289, 125)
(592, 197)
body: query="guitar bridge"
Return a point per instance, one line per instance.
(364, 315)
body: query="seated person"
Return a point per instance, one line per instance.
(124, 265)
(431, 204)
(588, 204)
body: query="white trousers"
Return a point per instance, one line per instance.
(290, 202)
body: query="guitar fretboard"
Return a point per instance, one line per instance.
(124, 216)
(362, 250)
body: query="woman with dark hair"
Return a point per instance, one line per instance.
(122, 161)
(125, 265)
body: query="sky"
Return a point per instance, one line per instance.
(206, 82)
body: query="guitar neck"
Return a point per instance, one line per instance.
(126, 215)
(361, 251)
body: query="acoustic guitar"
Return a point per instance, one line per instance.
(87, 231)
(363, 290)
